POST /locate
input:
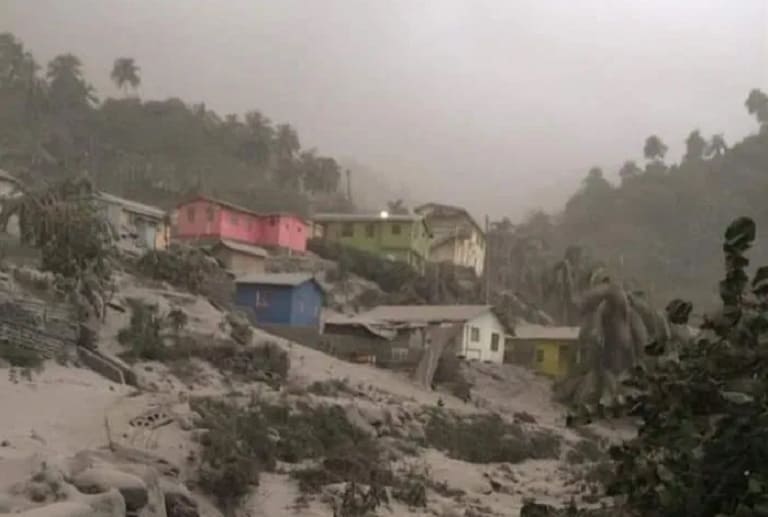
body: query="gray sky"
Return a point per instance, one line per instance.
(498, 105)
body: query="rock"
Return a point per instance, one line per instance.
(5, 443)
(102, 479)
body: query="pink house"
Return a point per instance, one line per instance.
(206, 219)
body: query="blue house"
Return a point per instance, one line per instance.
(293, 299)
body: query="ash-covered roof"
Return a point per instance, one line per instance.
(289, 279)
(531, 331)
(425, 313)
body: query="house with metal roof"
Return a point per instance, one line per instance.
(480, 335)
(293, 299)
(402, 237)
(144, 226)
(240, 259)
(553, 351)
(457, 237)
(203, 219)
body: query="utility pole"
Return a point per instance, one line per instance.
(486, 267)
(349, 185)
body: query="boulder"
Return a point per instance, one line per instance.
(102, 479)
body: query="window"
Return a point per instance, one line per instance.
(209, 213)
(494, 342)
(562, 356)
(396, 229)
(474, 334)
(347, 230)
(191, 214)
(539, 356)
(234, 219)
(370, 229)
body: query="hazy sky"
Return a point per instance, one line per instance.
(498, 105)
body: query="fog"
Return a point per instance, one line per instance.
(501, 106)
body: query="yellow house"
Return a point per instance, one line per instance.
(552, 351)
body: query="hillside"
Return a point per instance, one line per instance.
(53, 125)
(76, 434)
(659, 227)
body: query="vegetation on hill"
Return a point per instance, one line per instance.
(52, 124)
(659, 225)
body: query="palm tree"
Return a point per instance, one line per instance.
(654, 149)
(286, 141)
(628, 171)
(717, 146)
(397, 207)
(757, 105)
(695, 146)
(125, 74)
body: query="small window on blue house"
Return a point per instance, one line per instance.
(396, 229)
(347, 230)
(370, 230)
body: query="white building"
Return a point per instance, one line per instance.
(481, 336)
(9, 188)
(457, 238)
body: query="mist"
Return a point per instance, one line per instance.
(498, 106)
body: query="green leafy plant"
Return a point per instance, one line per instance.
(702, 447)
(143, 333)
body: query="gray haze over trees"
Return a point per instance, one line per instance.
(460, 101)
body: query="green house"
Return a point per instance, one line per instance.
(403, 237)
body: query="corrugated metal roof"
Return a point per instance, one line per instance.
(239, 208)
(425, 313)
(326, 218)
(531, 331)
(132, 206)
(243, 248)
(291, 279)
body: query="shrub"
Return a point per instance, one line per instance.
(241, 329)
(143, 334)
(702, 447)
(20, 356)
(243, 441)
(330, 387)
(488, 438)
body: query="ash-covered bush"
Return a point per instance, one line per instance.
(488, 438)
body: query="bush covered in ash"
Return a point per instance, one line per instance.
(488, 438)
(243, 441)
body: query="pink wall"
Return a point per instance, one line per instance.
(204, 218)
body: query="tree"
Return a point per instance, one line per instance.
(654, 148)
(125, 74)
(397, 206)
(701, 447)
(629, 171)
(67, 85)
(717, 146)
(695, 147)
(757, 105)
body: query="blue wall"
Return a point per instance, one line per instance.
(281, 304)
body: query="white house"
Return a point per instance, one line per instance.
(481, 336)
(9, 188)
(457, 238)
